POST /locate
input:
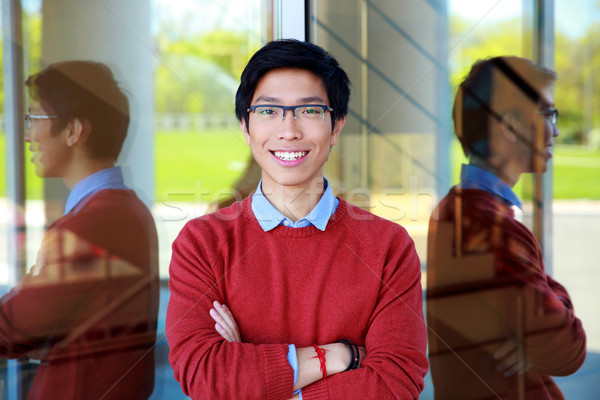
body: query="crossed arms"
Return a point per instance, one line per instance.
(376, 302)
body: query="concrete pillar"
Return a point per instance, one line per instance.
(116, 33)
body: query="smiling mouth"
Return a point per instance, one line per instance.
(289, 155)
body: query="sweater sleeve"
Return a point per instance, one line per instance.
(395, 338)
(554, 337)
(64, 295)
(207, 366)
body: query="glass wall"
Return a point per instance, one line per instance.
(398, 154)
(179, 63)
(576, 206)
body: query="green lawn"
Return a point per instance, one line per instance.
(193, 167)
(576, 173)
(197, 167)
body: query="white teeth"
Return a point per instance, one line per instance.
(293, 155)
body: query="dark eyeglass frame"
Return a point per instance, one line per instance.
(551, 113)
(30, 117)
(324, 107)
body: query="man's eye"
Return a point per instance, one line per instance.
(267, 111)
(312, 111)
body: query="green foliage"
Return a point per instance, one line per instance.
(471, 42)
(577, 62)
(576, 93)
(200, 73)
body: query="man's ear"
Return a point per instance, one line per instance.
(244, 127)
(78, 132)
(337, 128)
(510, 127)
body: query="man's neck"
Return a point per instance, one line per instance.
(501, 171)
(84, 169)
(294, 202)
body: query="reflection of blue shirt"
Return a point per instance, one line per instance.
(472, 177)
(109, 178)
(269, 217)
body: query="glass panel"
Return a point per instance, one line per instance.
(576, 208)
(179, 65)
(398, 155)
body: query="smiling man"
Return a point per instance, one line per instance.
(500, 327)
(87, 310)
(294, 292)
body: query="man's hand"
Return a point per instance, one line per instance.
(225, 323)
(508, 359)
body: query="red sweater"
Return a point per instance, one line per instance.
(357, 280)
(486, 288)
(89, 306)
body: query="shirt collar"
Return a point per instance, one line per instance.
(109, 178)
(472, 177)
(269, 217)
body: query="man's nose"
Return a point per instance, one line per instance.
(289, 127)
(555, 131)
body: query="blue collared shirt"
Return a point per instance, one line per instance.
(269, 217)
(472, 177)
(109, 178)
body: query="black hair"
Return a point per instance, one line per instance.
(85, 90)
(473, 102)
(291, 53)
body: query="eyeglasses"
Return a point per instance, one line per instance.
(31, 117)
(268, 113)
(551, 113)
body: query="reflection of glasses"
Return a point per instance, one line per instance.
(306, 112)
(30, 117)
(551, 113)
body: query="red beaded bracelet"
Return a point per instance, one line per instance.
(321, 356)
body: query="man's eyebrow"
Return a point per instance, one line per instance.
(311, 99)
(302, 100)
(267, 99)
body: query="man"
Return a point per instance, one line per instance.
(298, 268)
(87, 310)
(499, 326)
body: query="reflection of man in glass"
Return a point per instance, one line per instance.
(499, 325)
(298, 268)
(87, 309)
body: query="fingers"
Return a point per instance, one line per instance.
(509, 360)
(224, 322)
(506, 348)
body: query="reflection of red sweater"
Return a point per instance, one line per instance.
(486, 286)
(88, 308)
(358, 280)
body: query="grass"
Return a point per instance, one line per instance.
(192, 166)
(197, 167)
(576, 173)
